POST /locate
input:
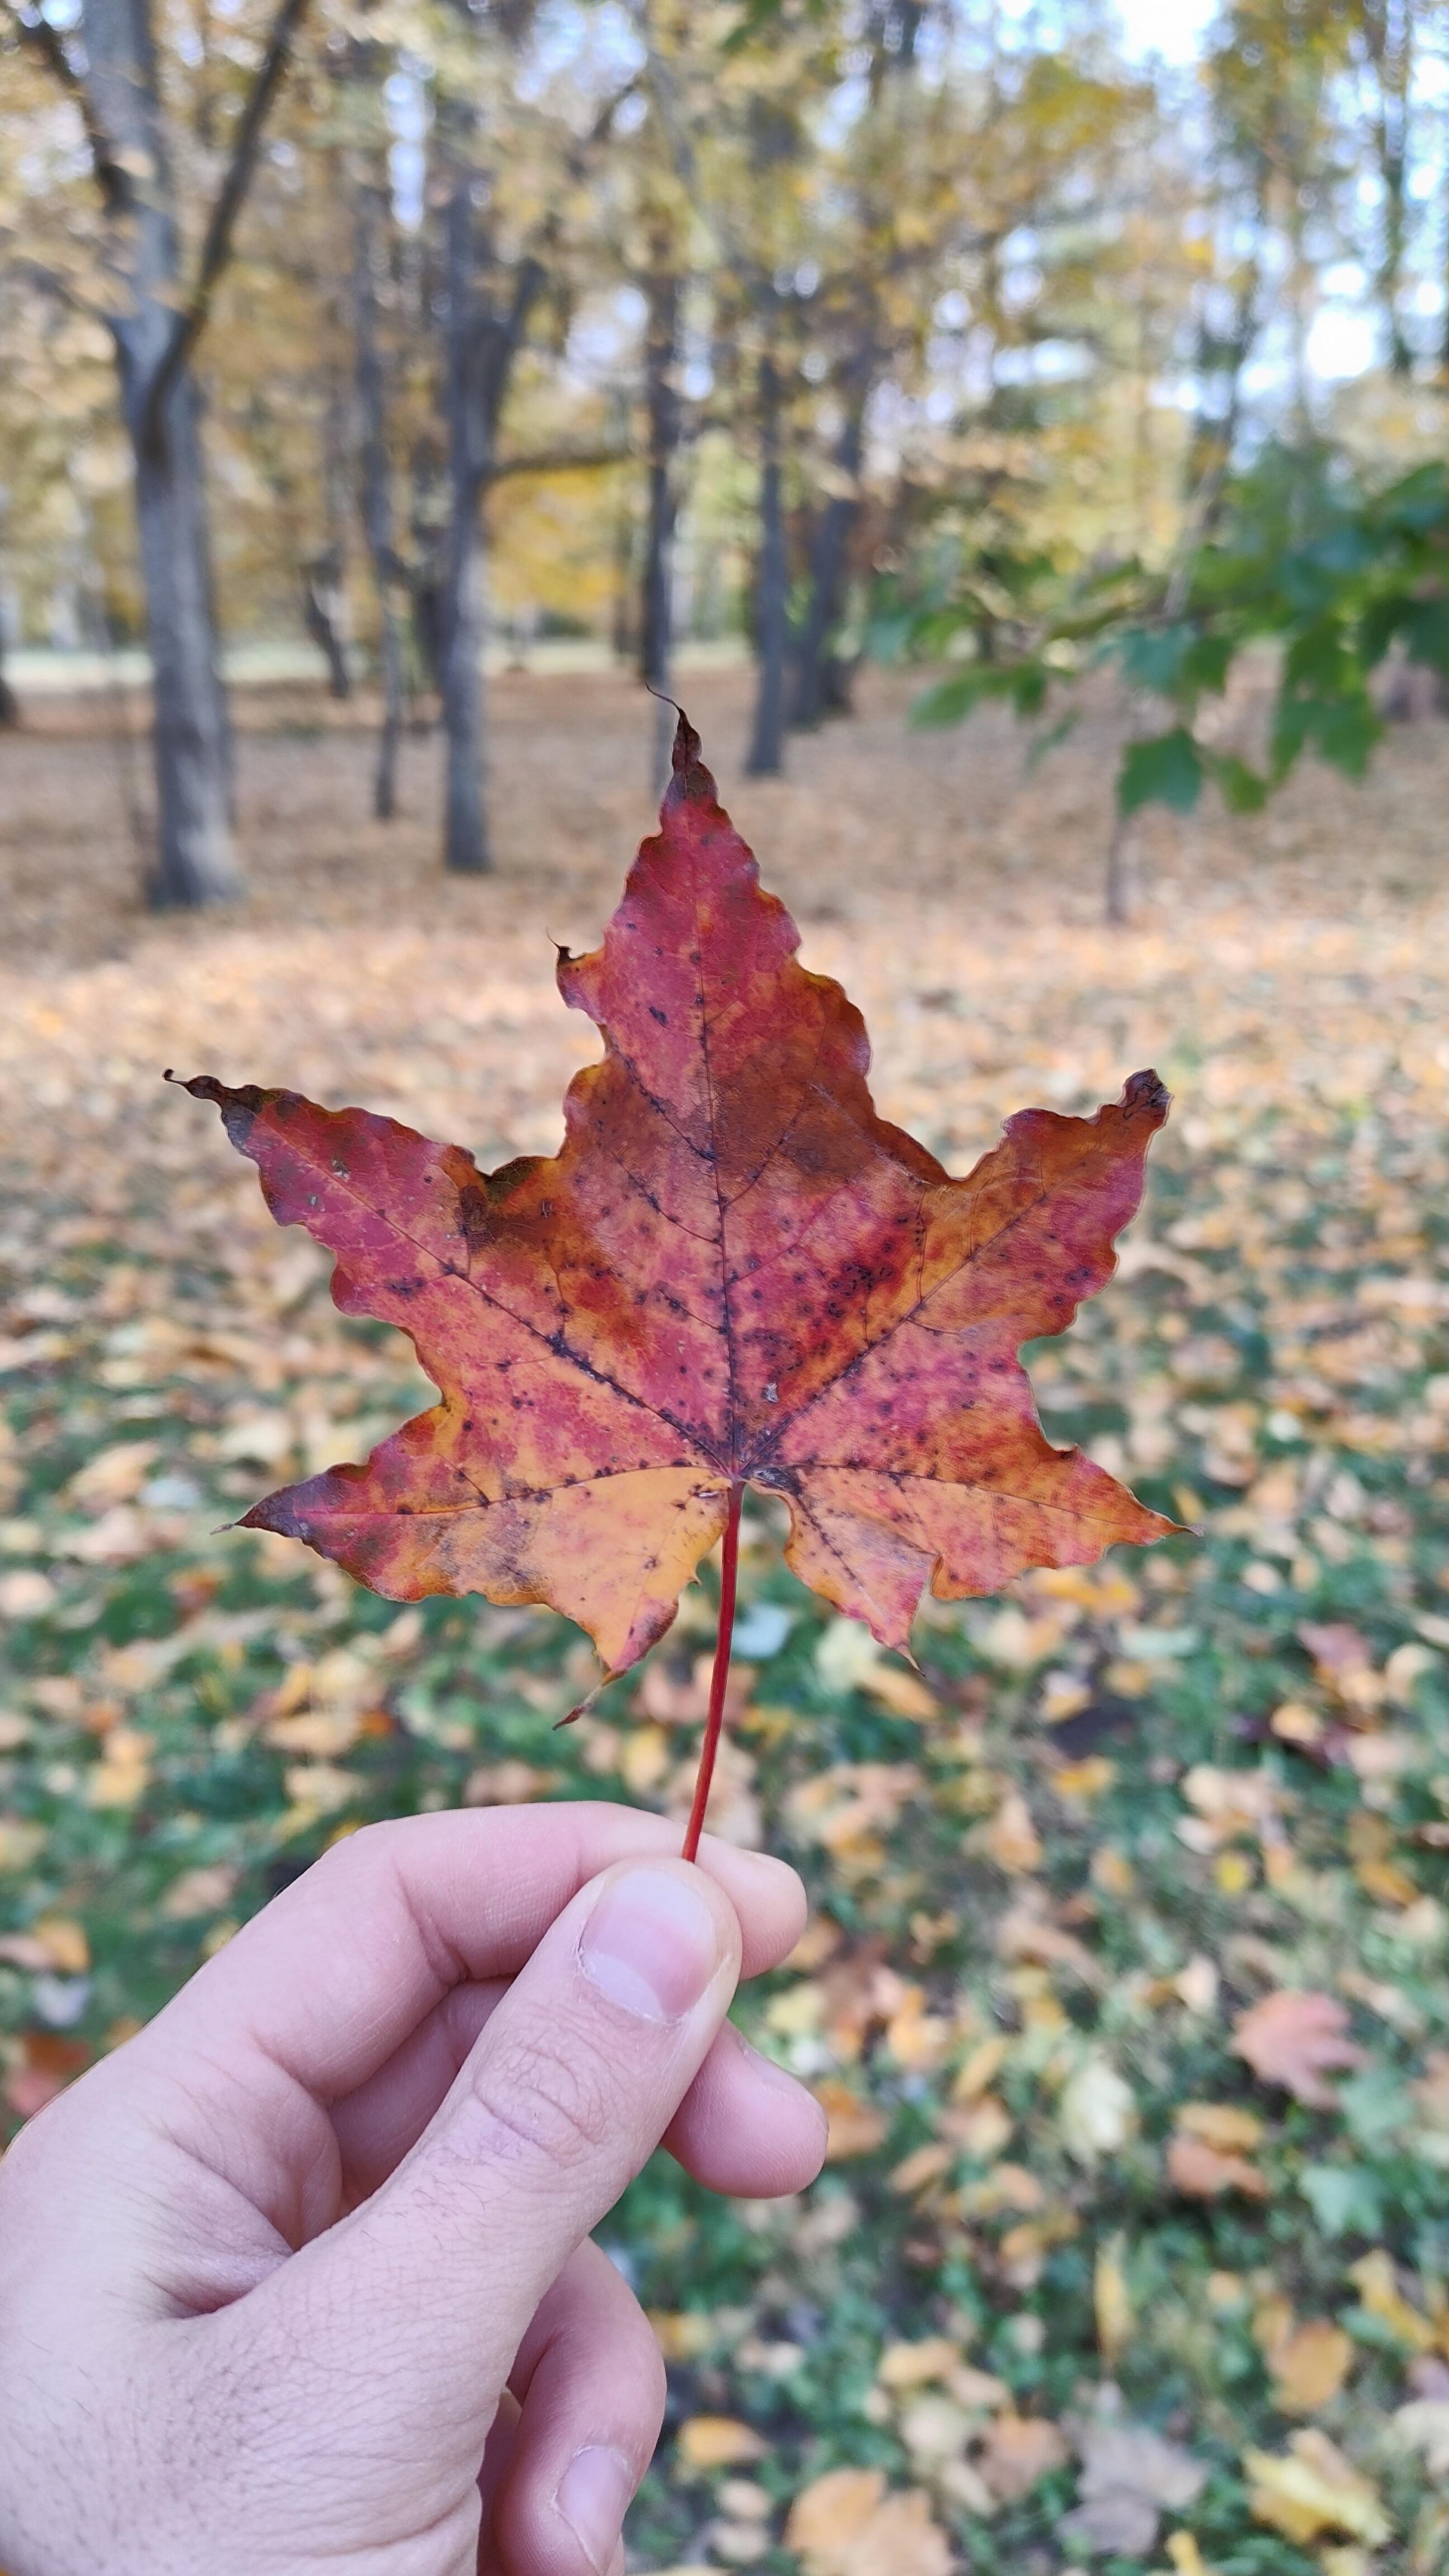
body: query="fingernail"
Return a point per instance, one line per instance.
(652, 1945)
(594, 2494)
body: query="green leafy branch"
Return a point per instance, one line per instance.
(1321, 579)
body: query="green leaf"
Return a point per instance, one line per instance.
(1166, 770)
(1243, 790)
(1346, 2200)
(1152, 657)
(950, 701)
(1425, 629)
(1342, 729)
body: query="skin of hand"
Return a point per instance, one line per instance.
(301, 2279)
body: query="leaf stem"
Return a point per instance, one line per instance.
(728, 1576)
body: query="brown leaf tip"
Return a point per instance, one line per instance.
(691, 777)
(1147, 1094)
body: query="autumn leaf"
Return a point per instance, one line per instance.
(1309, 2364)
(1313, 2490)
(717, 2442)
(1206, 2155)
(846, 2524)
(734, 1273)
(1130, 2474)
(1293, 2039)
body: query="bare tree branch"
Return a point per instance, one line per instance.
(216, 246)
(559, 460)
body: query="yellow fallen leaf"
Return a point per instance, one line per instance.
(120, 1777)
(982, 2128)
(198, 1891)
(717, 2442)
(925, 2166)
(682, 2334)
(1187, 2559)
(903, 1693)
(825, 2515)
(1374, 2278)
(1220, 2124)
(1012, 1839)
(1309, 2366)
(1112, 2301)
(980, 2068)
(847, 2525)
(1314, 2489)
(114, 1475)
(1112, 1872)
(856, 2127)
(1084, 1780)
(321, 1786)
(64, 1943)
(1386, 1882)
(914, 2365)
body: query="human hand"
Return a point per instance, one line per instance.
(299, 2278)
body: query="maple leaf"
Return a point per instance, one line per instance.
(733, 1273)
(1294, 2039)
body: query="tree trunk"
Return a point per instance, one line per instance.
(662, 407)
(482, 341)
(1388, 33)
(772, 590)
(822, 683)
(465, 829)
(377, 518)
(9, 703)
(462, 600)
(194, 862)
(323, 606)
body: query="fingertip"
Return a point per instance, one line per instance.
(746, 2127)
(768, 1896)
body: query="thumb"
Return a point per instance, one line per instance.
(568, 2090)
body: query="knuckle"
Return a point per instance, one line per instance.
(542, 2099)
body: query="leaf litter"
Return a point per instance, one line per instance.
(1008, 1913)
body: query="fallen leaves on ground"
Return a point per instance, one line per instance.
(179, 1704)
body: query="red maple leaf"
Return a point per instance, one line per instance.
(734, 1273)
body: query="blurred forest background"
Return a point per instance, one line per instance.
(1018, 433)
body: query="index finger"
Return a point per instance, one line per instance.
(331, 1977)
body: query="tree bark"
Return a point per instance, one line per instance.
(377, 512)
(1388, 39)
(322, 607)
(772, 588)
(194, 861)
(482, 341)
(190, 734)
(663, 413)
(461, 596)
(822, 683)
